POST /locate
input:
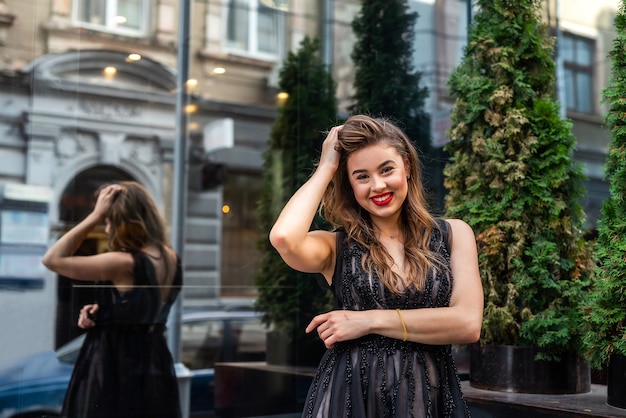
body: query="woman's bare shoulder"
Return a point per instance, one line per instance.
(459, 225)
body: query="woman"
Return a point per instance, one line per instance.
(124, 368)
(404, 289)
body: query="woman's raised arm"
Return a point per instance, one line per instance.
(311, 252)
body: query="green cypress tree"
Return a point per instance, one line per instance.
(290, 299)
(512, 177)
(385, 82)
(606, 312)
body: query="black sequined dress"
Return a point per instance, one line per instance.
(125, 368)
(380, 377)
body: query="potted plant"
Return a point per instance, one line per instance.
(605, 311)
(512, 177)
(290, 299)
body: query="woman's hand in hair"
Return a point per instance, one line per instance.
(330, 148)
(106, 197)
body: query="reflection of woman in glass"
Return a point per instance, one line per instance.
(403, 292)
(124, 368)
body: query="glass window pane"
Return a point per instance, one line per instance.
(238, 21)
(566, 48)
(578, 58)
(268, 22)
(570, 95)
(240, 233)
(201, 343)
(131, 10)
(249, 340)
(92, 11)
(583, 92)
(584, 54)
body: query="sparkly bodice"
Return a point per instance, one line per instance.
(375, 376)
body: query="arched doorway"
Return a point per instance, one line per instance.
(76, 203)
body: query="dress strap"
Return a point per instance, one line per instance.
(321, 280)
(446, 232)
(338, 273)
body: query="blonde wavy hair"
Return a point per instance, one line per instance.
(340, 208)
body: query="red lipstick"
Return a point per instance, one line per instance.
(382, 199)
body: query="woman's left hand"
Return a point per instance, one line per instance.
(341, 325)
(105, 200)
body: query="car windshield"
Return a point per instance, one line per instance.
(210, 340)
(68, 353)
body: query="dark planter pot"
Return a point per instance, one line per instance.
(303, 351)
(616, 381)
(508, 368)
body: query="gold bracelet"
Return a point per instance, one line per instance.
(403, 324)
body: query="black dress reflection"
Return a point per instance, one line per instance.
(125, 368)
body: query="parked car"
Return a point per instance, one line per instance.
(35, 386)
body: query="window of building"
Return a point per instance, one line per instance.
(240, 233)
(128, 17)
(577, 54)
(254, 28)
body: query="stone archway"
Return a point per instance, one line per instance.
(77, 202)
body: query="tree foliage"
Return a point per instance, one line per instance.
(290, 299)
(385, 81)
(512, 177)
(606, 310)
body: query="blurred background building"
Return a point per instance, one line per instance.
(88, 95)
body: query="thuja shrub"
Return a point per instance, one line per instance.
(605, 312)
(385, 80)
(287, 298)
(512, 177)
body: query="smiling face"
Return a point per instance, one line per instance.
(378, 177)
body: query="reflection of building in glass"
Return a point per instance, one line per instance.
(24, 235)
(87, 93)
(24, 232)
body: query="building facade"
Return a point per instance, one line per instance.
(89, 87)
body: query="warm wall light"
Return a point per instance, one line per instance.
(191, 84)
(281, 98)
(191, 108)
(218, 70)
(133, 57)
(225, 209)
(109, 71)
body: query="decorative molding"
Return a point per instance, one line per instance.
(72, 144)
(109, 109)
(145, 151)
